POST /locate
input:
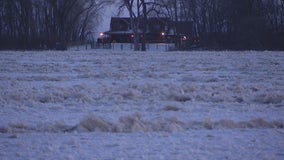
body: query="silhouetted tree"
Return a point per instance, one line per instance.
(32, 24)
(235, 24)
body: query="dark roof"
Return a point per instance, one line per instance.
(119, 24)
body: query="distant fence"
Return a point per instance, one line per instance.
(80, 47)
(124, 46)
(149, 46)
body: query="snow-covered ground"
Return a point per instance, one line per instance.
(110, 105)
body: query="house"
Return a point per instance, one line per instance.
(158, 30)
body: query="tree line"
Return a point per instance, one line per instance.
(40, 24)
(236, 24)
(219, 24)
(222, 24)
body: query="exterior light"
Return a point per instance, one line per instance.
(101, 34)
(184, 38)
(163, 34)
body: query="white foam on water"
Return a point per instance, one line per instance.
(135, 123)
(141, 105)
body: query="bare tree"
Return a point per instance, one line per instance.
(32, 24)
(134, 20)
(138, 11)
